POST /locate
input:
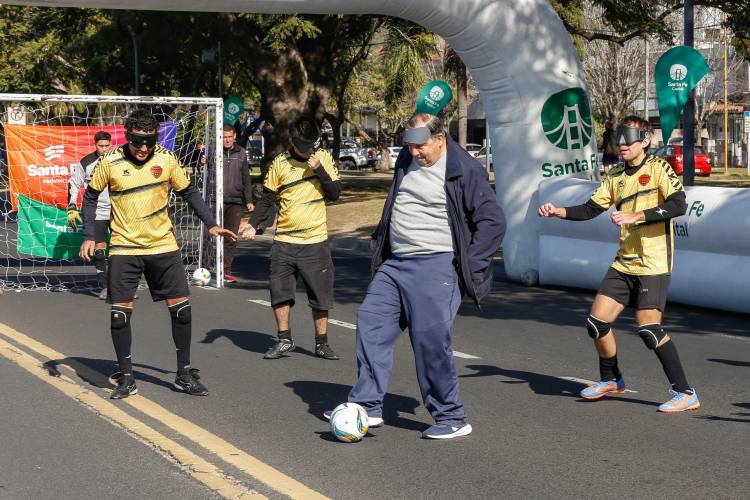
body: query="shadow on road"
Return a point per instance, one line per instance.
(96, 372)
(322, 396)
(545, 385)
(730, 362)
(249, 340)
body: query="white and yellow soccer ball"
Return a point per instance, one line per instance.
(349, 422)
(201, 276)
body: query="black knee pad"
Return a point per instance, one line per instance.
(181, 312)
(120, 317)
(597, 328)
(651, 334)
(100, 260)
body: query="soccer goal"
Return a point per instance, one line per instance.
(44, 136)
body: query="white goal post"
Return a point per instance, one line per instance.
(43, 137)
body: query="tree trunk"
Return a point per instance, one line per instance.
(462, 82)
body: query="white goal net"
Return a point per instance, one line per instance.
(42, 139)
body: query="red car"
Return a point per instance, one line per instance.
(673, 154)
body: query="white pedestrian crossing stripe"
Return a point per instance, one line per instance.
(350, 326)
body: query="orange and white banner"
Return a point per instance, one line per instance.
(41, 159)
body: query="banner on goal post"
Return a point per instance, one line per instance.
(43, 231)
(41, 158)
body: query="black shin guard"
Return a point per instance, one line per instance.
(181, 332)
(670, 361)
(608, 369)
(100, 263)
(122, 336)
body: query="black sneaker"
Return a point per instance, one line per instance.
(281, 347)
(189, 381)
(324, 351)
(125, 386)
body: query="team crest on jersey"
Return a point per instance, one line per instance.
(644, 179)
(156, 171)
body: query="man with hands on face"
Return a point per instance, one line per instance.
(647, 195)
(300, 181)
(139, 175)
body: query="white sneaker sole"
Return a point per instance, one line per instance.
(463, 431)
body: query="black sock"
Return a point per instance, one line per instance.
(122, 337)
(321, 339)
(181, 333)
(608, 369)
(670, 361)
(285, 334)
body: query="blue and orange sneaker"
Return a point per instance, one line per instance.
(681, 401)
(602, 388)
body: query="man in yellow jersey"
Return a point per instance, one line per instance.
(139, 175)
(647, 195)
(300, 180)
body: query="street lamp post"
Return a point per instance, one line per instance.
(688, 133)
(136, 76)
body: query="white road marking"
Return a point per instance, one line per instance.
(590, 382)
(351, 326)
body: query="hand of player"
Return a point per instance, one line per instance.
(313, 162)
(247, 232)
(549, 210)
(74, 218)
(250, 206)
(87, 250)
(220, 231)
(623, 218)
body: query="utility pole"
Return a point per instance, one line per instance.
(645, 90)
(688, 132)
(136, 76)
(726, 103)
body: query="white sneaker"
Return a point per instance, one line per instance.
(372, 422)
(446, 431)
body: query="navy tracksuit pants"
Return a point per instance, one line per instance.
(422, 293)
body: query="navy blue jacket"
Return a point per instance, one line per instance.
(476, 220)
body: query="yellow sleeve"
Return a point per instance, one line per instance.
(668, 181)
(603, 195)
(100, 175)
(326, 159)
(179, 178)
(273, 180)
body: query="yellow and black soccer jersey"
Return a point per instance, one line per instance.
(139, 194)
(302, 208)
(646, 248)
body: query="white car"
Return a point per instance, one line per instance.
(481, 157)
(473, 149)
(393, 155)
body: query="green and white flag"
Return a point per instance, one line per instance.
(434, 97)
(43, 231)
(677, 73)
(233, 108)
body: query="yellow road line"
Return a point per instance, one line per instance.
(200, 469)
(226, 451)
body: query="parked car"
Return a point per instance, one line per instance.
(673, 154)
(473, 149)
(254, 148)
(393, 155)
(481, 157)
(352, 156)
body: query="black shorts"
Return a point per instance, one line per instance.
(313, 262)
(101, 228)
(639, 292)
(164, 274)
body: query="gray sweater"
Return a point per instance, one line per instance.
(419, 223)
(80, 179)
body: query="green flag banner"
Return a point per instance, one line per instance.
(43, 231)
(677, 73)
(434, 97)
(233, 108)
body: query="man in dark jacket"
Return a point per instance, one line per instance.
(237, 194)
(441, 226)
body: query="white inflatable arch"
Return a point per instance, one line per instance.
(527, 71)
